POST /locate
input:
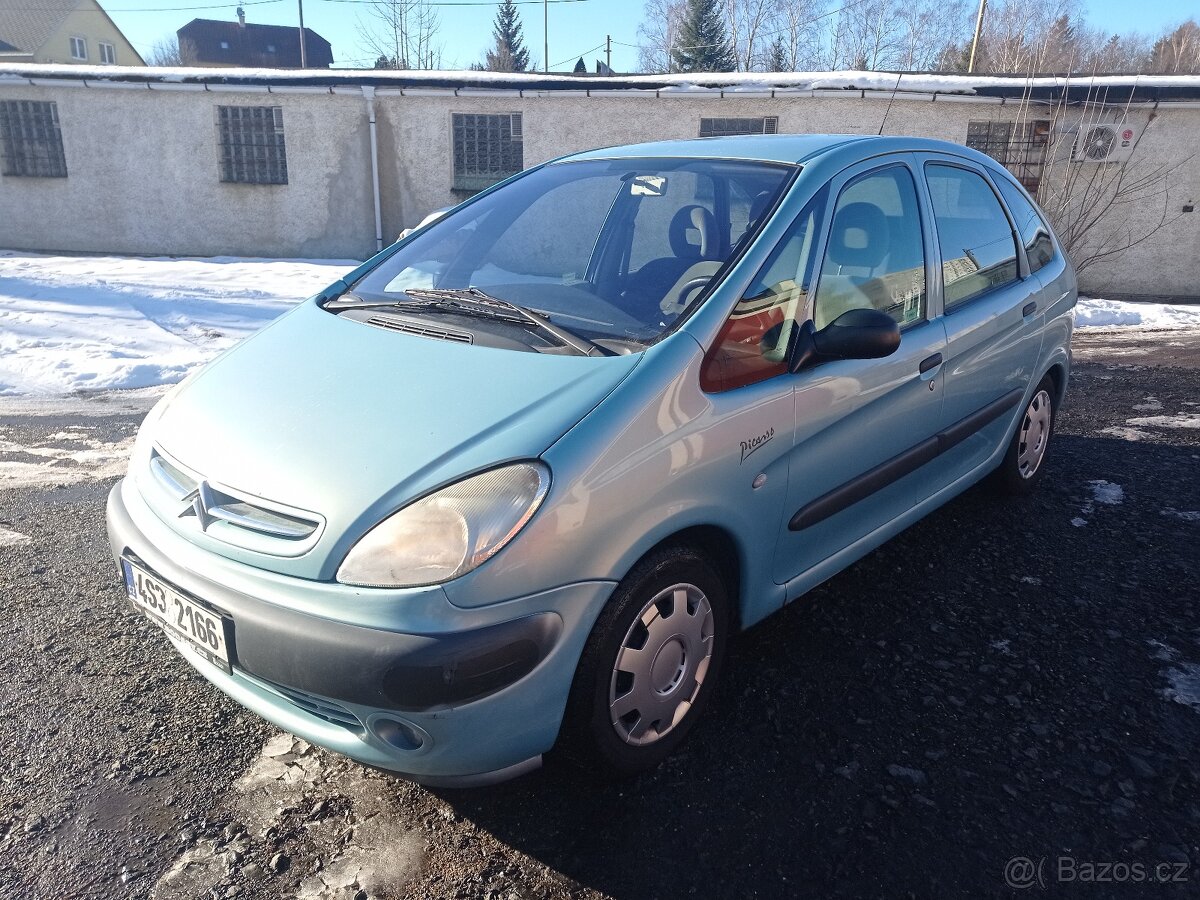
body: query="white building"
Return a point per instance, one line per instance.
(334, 164)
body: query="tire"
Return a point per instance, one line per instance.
(1024, 464)
(655, 698)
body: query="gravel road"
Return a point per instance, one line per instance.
(1007, 678)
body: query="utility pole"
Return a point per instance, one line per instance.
(608, 52)
(975, 40)
(303, 54)
(546, 36)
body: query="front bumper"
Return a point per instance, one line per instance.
(426, 689)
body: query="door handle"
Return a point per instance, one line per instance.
(931, 362)
(1029, 308)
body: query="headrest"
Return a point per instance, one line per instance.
(693, 233)
(859, 236)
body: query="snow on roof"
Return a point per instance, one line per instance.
(1150, 87)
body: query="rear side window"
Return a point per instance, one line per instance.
(978, 249)
(1034, 233)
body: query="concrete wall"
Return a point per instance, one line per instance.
(143, 172)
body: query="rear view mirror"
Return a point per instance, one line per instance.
(855, 334)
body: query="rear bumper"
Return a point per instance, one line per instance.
(429, 690)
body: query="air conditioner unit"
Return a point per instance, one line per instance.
(1106, 143)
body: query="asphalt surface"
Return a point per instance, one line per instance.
(1006, 680)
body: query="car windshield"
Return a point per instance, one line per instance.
(610, 252)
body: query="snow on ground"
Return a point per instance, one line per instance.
(1096, 313)
(89, 323)
(72, 323)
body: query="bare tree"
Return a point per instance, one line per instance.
(747, 21)
(926, 28)
(170, 51)
(658, 34)
(1102, 209)
(401, 33)
(796, 25)
(1178, 51)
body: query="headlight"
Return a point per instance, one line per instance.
(450, 532)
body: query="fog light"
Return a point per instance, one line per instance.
(400, 734)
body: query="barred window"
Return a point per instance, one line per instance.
(1018, 146)
(487, 149)
(730, 127)
(30, 139)
(251, 143)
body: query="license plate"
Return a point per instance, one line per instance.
(203, 629)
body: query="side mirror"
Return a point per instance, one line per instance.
(855, 334)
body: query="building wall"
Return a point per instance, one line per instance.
(143, 168)
(87, 22)
(143, 178)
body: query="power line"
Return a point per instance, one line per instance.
(463, 2)
(113, 9)
(576, 56)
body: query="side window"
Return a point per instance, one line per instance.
(875, 257)
(978, 248)
(753, 344)
(1030, 226)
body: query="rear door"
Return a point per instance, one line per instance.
(990, 308)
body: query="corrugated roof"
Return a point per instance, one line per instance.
(254, 45)
(28, 27)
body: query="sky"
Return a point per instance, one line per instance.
(577, 27)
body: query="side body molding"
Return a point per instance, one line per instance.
(861, 487)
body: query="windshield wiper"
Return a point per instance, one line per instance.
(472, 299)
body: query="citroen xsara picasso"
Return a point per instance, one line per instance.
(511, 485)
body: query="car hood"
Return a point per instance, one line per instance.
(348, 421)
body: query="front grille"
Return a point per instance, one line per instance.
(441, 334)
(229, 515)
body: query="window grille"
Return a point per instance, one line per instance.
(487, 149)
(31, 140)
(251, 144)
(729, 127)
(1018, 146)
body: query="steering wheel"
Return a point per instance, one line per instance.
(675, 307)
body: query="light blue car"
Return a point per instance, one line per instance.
(512, 485)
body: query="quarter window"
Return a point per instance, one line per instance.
(30, 139)
(487, 149)
(752, 345)
(108, 54)
(1034, 233)
(78, 48)
(251, 144)
(978, 249)
(875, 257)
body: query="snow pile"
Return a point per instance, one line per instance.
(98, 323)
(1093, 313)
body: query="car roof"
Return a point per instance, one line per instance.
(783, 148)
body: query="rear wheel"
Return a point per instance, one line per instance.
(1024, 463)
(649, 666)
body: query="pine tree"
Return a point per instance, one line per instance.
(703, 42)
(510, 53)
(777, 58)
(581, 67)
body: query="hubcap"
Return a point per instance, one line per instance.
(1035, 434)
(661, 664)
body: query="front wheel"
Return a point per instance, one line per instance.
(649, 666)
(1024, 463)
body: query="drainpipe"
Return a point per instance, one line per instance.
(369, 96)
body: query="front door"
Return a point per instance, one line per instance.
(862, 426)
